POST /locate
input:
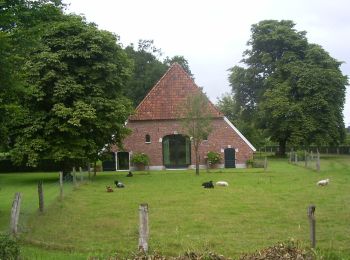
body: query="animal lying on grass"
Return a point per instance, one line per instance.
(118, 184)
(109, 189)
(323, 182)
(222, 183)
(129, 174)
(208, 185)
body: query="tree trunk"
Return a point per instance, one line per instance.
(197, 160)
(94, 168)
(282, 148)
(66, 168)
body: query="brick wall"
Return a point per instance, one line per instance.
(221, 137)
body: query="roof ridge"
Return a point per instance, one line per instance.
(155, 86)
(168, 86)
(200, 88)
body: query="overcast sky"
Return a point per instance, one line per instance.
(212, 35)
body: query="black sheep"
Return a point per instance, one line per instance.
(118, 184)
(129, 174)
(208, 185)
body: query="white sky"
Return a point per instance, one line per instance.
(212, 35)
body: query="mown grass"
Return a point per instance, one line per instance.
(257, 210)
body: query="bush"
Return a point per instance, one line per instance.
(250, 163)
(140, 159)
(213, 157)
(9, 248)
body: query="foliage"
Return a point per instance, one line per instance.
(286, 250)
(228, 105)
(17, 38)
(73, 104)
(213, 157)
(9, 248)
(292, 89)
(250, 163)
(197, 121)
(347, 138)
(140, 159)
(181, 61)
(148, 69)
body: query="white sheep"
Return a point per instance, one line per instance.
(323, 182)
(222, 183)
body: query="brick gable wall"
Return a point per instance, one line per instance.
(165, 100)
(222, 136)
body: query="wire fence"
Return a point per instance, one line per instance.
(306, 159)
(37, 191)
(314, 149)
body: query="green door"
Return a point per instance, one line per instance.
(176, 151)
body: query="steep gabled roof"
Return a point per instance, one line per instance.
(165, 98)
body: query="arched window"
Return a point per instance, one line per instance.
(148, 138)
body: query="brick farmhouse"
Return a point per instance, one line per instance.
(157, 130)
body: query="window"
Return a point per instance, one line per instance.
(148, 138)
(205, 137)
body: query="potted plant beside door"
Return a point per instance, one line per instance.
(214, 159)
(140, 161)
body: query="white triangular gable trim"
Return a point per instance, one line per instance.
(239, 133)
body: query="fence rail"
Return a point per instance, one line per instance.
(321, 149)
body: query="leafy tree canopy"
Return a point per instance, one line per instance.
(19, 33)
(197, 121)
(73, 103)
(289, 87)
(235, 113)
(181, 61)
(148, 69)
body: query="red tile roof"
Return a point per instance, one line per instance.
(165, 98)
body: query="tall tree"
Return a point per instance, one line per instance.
(18, 18)
(147, 70)
(296, 88)
(73, 104)
(196, 121)
(181, 61)
(242, 119)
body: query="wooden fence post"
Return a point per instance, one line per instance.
(16, 207)
(312, 221)
(81, 174)
(61, 185)
(305, 155)
(265, 163)
(290, 156)
(41, 196)
(296, 158)
(318, 164)
(89, 171)
(74, 177)
(143, 228)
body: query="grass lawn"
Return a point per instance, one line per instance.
(257, 210)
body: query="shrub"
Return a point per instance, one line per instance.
(250, 163)
(213, 157)
(140, 159)
(9, 248)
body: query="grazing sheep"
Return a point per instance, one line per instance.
(118, 184)
(129, 174)
(222, 183)
(323, 182)
(208, 185)
(109, 189)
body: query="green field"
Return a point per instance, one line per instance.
(257, 210)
